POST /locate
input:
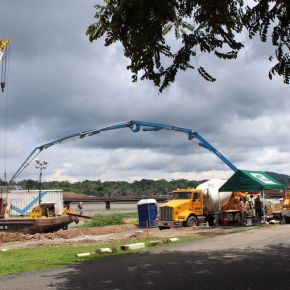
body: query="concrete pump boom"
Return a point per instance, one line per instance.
(135, 127)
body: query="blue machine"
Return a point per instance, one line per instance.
(135, 127)
(147, 212)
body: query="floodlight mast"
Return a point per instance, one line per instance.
(40, 165)
(135, 127)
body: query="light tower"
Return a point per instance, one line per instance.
(40, 165)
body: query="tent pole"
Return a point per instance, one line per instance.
(219, 200)
(263, 204)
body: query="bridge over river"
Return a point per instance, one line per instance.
(74, 198)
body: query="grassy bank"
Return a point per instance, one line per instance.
(30, 259)
(101, 220)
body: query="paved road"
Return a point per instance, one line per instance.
(255, 259)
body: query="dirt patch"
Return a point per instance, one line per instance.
(106, 234)
(6, 237)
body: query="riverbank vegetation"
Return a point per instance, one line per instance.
(142, 187)
(101, 220)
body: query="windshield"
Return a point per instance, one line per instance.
(182, 195)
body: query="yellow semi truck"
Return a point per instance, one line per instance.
(190, 207)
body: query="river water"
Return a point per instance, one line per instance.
(92, 208)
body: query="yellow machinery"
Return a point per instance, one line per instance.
(3, 45)
(44, 210)
(189, 207)
(286, 208)
(286, 201)
(3, 59)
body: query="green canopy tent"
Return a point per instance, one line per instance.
(249, 180)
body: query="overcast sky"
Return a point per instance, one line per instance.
(60, 83)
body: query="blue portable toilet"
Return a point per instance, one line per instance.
(147, 212)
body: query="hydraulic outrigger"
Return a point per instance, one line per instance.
(134, 126)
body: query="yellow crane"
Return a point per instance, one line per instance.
(3, 59)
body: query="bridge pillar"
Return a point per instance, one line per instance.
(108, 205)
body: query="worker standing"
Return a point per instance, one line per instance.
(80, 208)
(258, 208)
(249, 200)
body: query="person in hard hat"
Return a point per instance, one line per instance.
(249, 200)
(80, 208)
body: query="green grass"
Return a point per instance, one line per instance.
(112, 219)
(105, 220)
(130, 215)
(30, 259)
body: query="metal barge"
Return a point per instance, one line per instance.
(36, 225)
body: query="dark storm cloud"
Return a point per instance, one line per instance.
(60, 84)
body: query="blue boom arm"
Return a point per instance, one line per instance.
(135, 127)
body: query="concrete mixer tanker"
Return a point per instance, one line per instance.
(190, 207)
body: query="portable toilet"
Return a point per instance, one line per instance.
(147, 212)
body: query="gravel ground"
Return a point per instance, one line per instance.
(83, 236)
(247, 260)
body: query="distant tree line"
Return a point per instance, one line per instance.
(113, 188)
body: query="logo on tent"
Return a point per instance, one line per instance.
(263, 178)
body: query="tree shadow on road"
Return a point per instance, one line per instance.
(267, 268)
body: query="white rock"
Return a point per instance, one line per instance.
(105, 250)
(172, 240)
(133, 246)
(84, 255)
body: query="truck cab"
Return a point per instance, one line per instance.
(185, 209)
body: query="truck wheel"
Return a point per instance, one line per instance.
(163, 228)
(230, 217)
(287, 219)
(238, 217)
(191, 222)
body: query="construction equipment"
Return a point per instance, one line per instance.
(285, 212)
(4, 62)
(134, 126)
(42, 219)
(22, 212)
(190, 207)
(277, 206)
(3, 45)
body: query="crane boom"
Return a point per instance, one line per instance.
(3, 45)
(3, 59)
(135, 127)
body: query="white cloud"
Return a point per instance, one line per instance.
(60, 84)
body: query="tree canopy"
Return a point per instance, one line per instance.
(163, 37)
(113, 188)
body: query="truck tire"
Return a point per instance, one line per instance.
(287, 219)
(238, 218)
(191, 222)
(230, 217)
(163, 228)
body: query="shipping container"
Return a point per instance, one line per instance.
(23, 201)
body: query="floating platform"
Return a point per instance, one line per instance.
(36, 225)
